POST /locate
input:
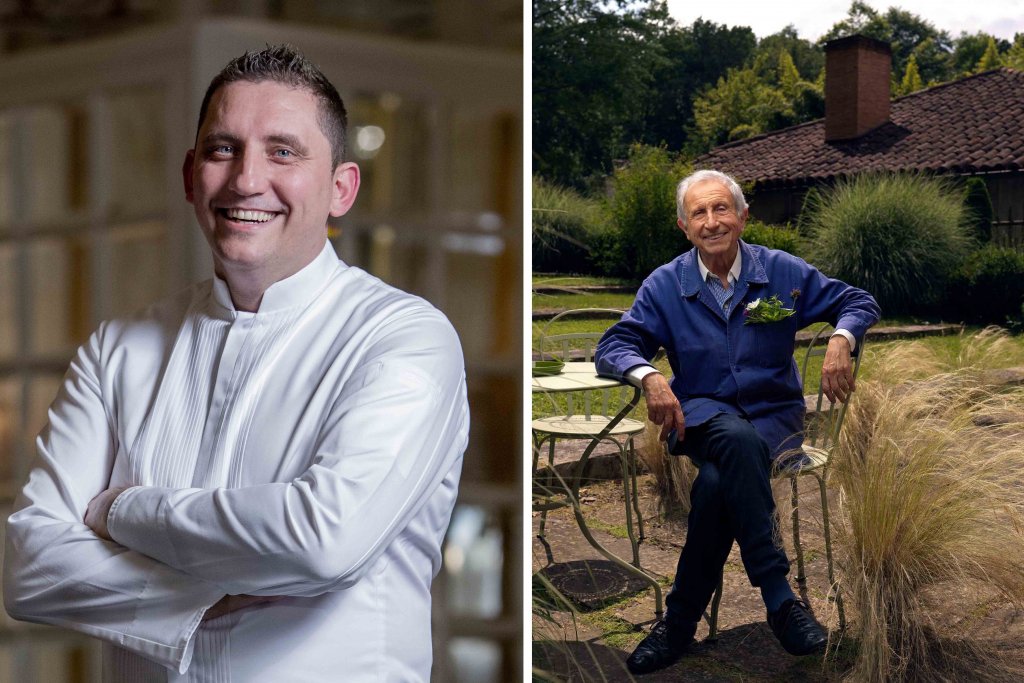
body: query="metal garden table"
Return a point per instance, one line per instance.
(577, 376)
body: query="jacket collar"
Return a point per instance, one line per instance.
(734, 273)
(296, 290)
(689, 270)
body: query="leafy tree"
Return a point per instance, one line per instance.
(932, 49)
(911, 78)
(907, 34)
(1015, 54)
(693, 57)
(592, 73)
(808, 57)
(860, 18)
(608, 73)
(789, 77)
(808, 102)
(934, 62)
(991, 59)
(768, 95)
(738, 106)
(968, 49)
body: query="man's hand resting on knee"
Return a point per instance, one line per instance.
(663, 407)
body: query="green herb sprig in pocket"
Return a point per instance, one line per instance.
(770, 310)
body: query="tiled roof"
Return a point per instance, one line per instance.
(972, 125)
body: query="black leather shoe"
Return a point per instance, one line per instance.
(797, 630)
(662, 646)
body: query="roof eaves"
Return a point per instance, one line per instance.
(959, 82)
(761, 136)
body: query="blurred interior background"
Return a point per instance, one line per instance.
(98, 104)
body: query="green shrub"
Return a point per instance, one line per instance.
(900, 237)
(642, 211)
(606, 253)
(564, 229)
(772, 236)
(978, 206)
(743, 131)
(808, 102)
(989, 288)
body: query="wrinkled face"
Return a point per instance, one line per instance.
(712, 224)
(261, 180)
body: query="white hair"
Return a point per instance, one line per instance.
(699, 177)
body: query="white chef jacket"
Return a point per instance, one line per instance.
(311, 450)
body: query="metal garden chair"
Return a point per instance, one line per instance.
(820, 440)
(586, 415)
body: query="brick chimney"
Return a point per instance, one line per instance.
(856, 86)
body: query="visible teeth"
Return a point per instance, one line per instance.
(242, 215)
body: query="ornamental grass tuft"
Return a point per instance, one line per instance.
(930, 525)
(900, 237)
(981, 351)
(673, 474)
(564, 228)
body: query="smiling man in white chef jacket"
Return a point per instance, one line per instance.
(251, 480)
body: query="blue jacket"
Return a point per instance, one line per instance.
(718, 363)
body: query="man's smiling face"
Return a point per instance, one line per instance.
(262, 182)
(712, 223)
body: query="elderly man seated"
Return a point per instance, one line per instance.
(735, 401)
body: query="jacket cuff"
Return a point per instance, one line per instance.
(635, 375)
(849, 337)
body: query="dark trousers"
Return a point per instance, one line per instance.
(731, 500)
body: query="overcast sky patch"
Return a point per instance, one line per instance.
(812, 18)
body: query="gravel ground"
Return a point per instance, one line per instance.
(614, 612)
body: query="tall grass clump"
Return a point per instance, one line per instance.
(673, 474)
(978, 205)
(565, 228)
(991, 348)
(930, 525)
(900, 237)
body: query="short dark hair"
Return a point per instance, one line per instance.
(285, 64)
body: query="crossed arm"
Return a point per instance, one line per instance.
(57, 571)
(142, 571)
(96, 519)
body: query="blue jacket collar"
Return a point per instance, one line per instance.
(689, 270)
